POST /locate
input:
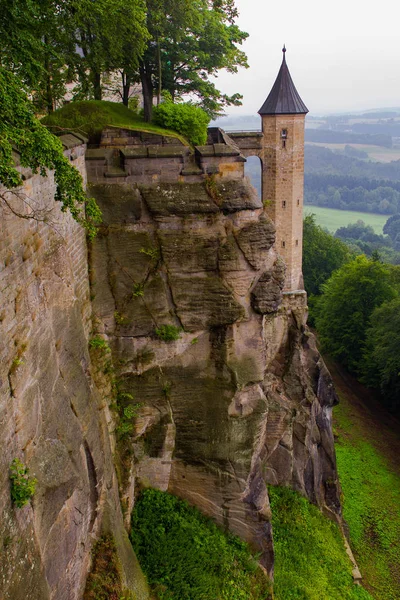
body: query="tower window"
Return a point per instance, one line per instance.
(298, 202)
(284, 203)
(297, 242)
(283, 244)
(284, 137)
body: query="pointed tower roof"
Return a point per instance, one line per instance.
(283, 99)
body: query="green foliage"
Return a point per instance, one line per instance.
(121, 319)
(322, 255)
(190, 42)
(381, 356)
(22, 486)
(98, 343)
(168, 333)
(371, 494)
(92, 116)
(127, 414)
(187, 557)
(349, 299)
(310, 558)
(138, 290)
(185, 118)
(39, 150)
(152, 253)
(104, 580)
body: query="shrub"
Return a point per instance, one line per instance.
(98, 343)
(22, 487)
(187, 119)
(168, 333)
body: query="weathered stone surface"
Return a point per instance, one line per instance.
(178, 199)
(255, 240)
(266, 296)
(236, 195)
(203, 302)
(119, 203)
(189, 251)
(52, 417)
(241, 400)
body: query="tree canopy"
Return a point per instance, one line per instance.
(381, 364)
(191, 41)
(322, 255)
(349, 298)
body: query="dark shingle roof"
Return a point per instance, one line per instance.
(283, 99)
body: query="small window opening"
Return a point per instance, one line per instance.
(283, 244)
(298, 202)
(284, 203)
(297, 242)
(284, 137)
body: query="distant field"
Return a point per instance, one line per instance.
(378, 153)
(332, 219)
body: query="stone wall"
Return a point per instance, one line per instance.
(51, 415)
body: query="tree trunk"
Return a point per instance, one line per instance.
(97, 91)
(147, 90)
(159, 71)
(126, 86)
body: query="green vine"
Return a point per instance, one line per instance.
(39, 150)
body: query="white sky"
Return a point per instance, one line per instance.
(342, 55)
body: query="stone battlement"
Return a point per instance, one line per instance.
(137, 157)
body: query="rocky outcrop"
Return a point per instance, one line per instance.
(241, 399)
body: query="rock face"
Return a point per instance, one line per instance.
(229, 393)
(52, 417)
(242, 399)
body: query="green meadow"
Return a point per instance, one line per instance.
(332, 218)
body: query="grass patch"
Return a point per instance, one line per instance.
(187, 557)
(90, 117)
(371, 497)
(310, 558)
(333, 218)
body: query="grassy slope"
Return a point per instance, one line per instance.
(368, 449)
(310, 559)
(332, 218)
(91, 116)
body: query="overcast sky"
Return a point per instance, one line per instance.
(342, 55)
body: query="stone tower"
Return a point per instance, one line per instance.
(283, 115)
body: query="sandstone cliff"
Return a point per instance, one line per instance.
(240, 400)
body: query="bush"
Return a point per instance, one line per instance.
(187, 557)
(168, 333)
(187, 119)
(22, 487)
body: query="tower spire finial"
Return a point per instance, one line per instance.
(284, 50)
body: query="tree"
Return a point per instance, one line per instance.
(109, 35)
(39, 150)
(381, 357)
(392, 229)
(191, 41)
(349, 298)
(322, 255)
